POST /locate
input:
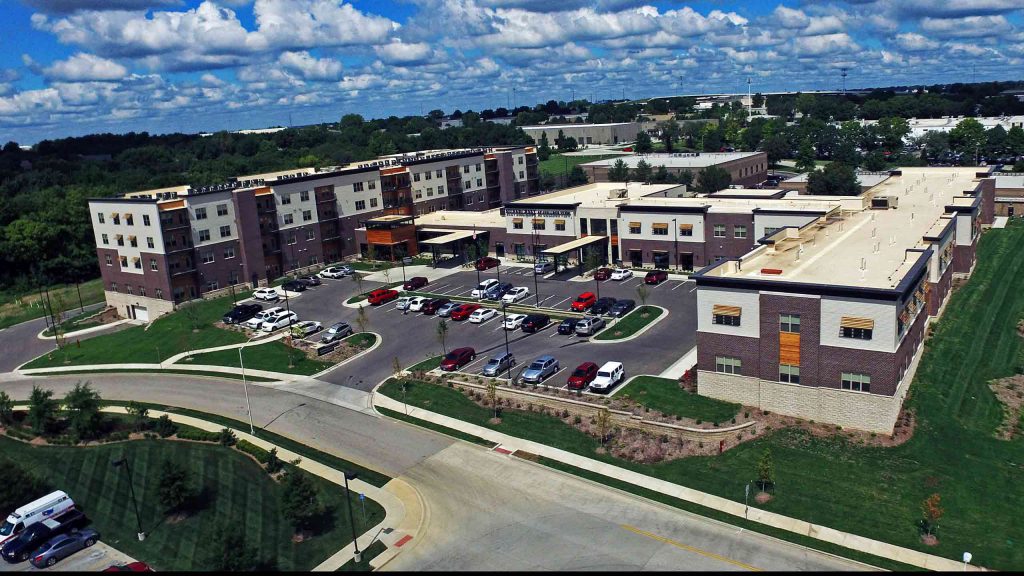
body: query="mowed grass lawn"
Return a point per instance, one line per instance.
(665, 396)
(272, 356)
(13, 311)
(165, 337)
(558, 164)
(630, 323)
(872, 491)
(239, 493)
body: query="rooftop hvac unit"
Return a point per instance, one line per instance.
(884, 202)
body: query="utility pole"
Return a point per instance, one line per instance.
(843, 74)
(131, 486)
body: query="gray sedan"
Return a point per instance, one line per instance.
(60, 547)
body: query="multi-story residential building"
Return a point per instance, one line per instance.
(745, 168)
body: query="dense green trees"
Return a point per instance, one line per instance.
(619, 171)
(713, 179)
(835, 179)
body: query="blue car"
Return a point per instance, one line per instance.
(60, 547)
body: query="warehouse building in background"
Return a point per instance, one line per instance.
(745, 168)
(586, 134)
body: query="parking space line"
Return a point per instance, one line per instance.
(681, 284)
(692, 289)
(555, 305)
(545, 299)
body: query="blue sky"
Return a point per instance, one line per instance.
(72, 67)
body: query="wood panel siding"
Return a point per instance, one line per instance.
(789, 348)
(854, 322)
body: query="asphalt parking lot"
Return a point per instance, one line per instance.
(413, 337)
(96, 558)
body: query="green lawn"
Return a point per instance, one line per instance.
(17, 308)
(426, 365)
(877, 492)
(370, 553)
(558, 164)
(76, 322)
(665, 395)
(235, 489)
(165, 337)
(435, 427)
(630, 323)
(272, 356)
(167, 371)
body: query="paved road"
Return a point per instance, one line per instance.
(484, 510)
(20, 343)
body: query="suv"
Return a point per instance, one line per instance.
(608, 375)
(481, 289)
(19, 548)
(280, 320)
(487, 262)
(257, 320)
(501, 362)
(457, 359)
(294, 286)
(602, 306)
(415, 283)
(336, 332)
(265, 294)
(535, 322)
(590, 325)
(582, 376)
(621, 308)
(568, 326)
(336, 272)
(656, 277)
(435, 304)
(310, 280)
(497, 291)
(584, 301)
(602, 273)
(381, 296)
(540, 369)
(544, 267)
(241, 313)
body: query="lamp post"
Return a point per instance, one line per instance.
(131, 486)
(967, 560)
(504, 328)
(356, 556)
(245, 386)
(675, 228)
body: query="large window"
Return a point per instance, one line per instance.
(858, 328)
(105, 239)
(517, 223)
(728, 365)
(288, 218)
(726, 315)
(719, 230)
(304, 196)
(149, 242)
(207, 256)
(686, 229)
(373, 202)
(415, 178)
(659, 229)
(789, 373)
(200, 213)
(634, 228)
(560, 225)
(739, 231)
(145, 219)
(360, 204)
(204, 235)
(286, 199)
(225, 231)
(789, 323)
(358, 186)
(539, 224)
(100, 216)
(222, 209)
(229, 252)
(857, 333)
(856, 382)
(307, 215)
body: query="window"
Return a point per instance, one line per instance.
(478, 169)
(129, 220)
(212, 285)
(100, 216)
(142, 290)
(233, 277)
(145, 219)
(469, 199)
(372, 184)
(288, 219)
(358, 186)
(659, 229)
(304, 196)
(286, 199)
(789, 323)
(419, 194)
(521, 176)
(291, 237)
(468, 185)
(159, 293)
(726, 315)
(225, 231)
(373, 202)
(427, 174)
(360, 204)
(307, 215)
(113, 286)
(152, 264)
(768, 230)
(115, 218)
(430, 192)
(204, 235)
(416, 177)
(124, 261)
(149, 242)
(128, 289)
(859, 328)
(686, 229)
(560, 225)
(517, 223)
(200, 213)
(634, 228)
(440, 190)
(105, 239)
(120, 240)
(207, 256)
(222, 209)
(310, 234)
(438, 174)
(739, 231)
(728, 365)
(856, 382)
(538, 224)
(465, 169)
(719, 230)
(229, 252)
(110, 261)
(520, 159)
(789, 373)
(133, 241)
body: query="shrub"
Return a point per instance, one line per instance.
(119, 436)
(699, 421)
(199, 435)
(20, 434)
(274, 463)
(253, 450)
(746, 414)
(164, 426)
(226, 437)
(576, 419)
(733, 420)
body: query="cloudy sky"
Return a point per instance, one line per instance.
(72, 67)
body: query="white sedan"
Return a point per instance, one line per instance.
(403, 302)
(514, 321)
(622, 274)
(515, 295)
(417, 302)
(482, 315)
(280, 321)
(265, 294)
(307, 327)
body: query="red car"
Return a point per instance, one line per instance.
(132, 567)
(584, 301)
(415, 283)
(381, 296)
(582, 376)
(602, 273)
(457, 359)
(656, 277)
(487, 262)
(462, 312)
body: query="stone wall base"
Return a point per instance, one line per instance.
(123, 302)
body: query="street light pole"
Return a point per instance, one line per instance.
(357, 556)
(536, 289)
(675, 228)
(504, 328)
(245, 386)
(131, 486)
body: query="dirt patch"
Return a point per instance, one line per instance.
(763, 498)
(929, 540)
(494, 421)
(301, 536)
(1010, 392)
(177, 518)
(526, 455)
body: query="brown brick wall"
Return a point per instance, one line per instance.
(711, 344)
(938, 291)
(988, 198)
(150, 280)
(809, 310)
(730, 246)
(647, 247)
(963, 258)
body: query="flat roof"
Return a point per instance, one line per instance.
(450, 237)
(680, 160)
(563, 126)
(389, 218)
(463, 218)
(572, 245)
(748, 193)
(599, 194)
(865, 179)
(269, 176)
(832, 251)
(738, 205)
(1013, 181)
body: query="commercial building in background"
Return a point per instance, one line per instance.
(586, 134)
(1010, 195)
(745, 168)
(867, 180)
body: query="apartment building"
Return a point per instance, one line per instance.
(745, 168)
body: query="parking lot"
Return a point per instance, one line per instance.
(413, 337)
(96, 558)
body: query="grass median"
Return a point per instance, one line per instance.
(277, 357)
(665, 396)
(630, 324)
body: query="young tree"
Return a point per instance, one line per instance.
(577, 177)
(174, 489)
(713, 179)
(371, 255)
(6, 409)
(642, 293)
(544, 150)
(765, 470)
(836, 179)
(164, 426)
(299, 501)
(492, 395)
(805, 156)
(396, 367)
(230, 553)
(604, 418)
(933, 511)
(274, 463)
(358, 279)
(362, 320)
(442, 333)
(139, 413)
(227, 437)
(642, 172)
(619, 172)
(643, 143)
(42, 409)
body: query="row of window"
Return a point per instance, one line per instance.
(361, 204)
(115, 218)
(430, 192)
(790, 374)
(790, 323)
(538, 223)
(738, 231)
(438, 173)
(222, 210)
(142, 290)
(469, 184)
(465, 169)
(132, 240)
(136, 262)
(660, 229)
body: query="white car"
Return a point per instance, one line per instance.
(265, 294)
(417, 302)
(515, 295)
(306, 327)
(403, 302)
(481, 288)
(514, 321)
(335, 272)
(622, 274)
(482, 315)
(281, 320)
(256, 321)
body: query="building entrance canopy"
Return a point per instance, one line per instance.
(573, 245)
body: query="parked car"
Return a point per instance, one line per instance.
(260, 317)
(582, 376)
(589, 326)
(130, 567)
(622, 274)
(481, 289)
(336, 272)
(584, 301)
(241, 313)
(602, 306)
(608, 375)
(515, 295)
(403, 303)
(382, 296)
(294, 286)
(60, 547)
(481, 315)
(310, 280)
(514, 321)
(497, 291)
(53, 504)
(432, 306)
(655, 277)
(269, 294)
(540, 369)
(602, 273)
(19, 548)
(415, 283)
(445, 310)
(543, 267)
(500, 363)
(416, 303)
(463, 311)
(306, 327)
(281, 320)
(337, 331)
(535, 322)
(621, 308)
(457, 359)
(568, 326)
(487, 262)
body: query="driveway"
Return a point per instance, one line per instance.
(20, 343)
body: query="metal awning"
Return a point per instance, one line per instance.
(452, 237)
(572, 245)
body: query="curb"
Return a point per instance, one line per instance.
(377, 343)
(637, 334)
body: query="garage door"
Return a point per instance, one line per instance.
(141, 313)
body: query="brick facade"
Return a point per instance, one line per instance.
(729, 246)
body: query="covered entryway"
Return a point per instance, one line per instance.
(593, 248)
(458, 244)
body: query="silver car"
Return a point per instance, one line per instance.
(446, 310)
(60, 547)
(589, 325)
(499, 364)
(540, 369)
(336, 332)
(544, 267)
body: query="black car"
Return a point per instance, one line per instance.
(535, 322)
(310, 280)
(497, 291)
(602, 306)
(294, 286)
(568, 326)
(19, 548)
(621, 308)
(241, 313)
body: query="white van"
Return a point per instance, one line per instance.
(608, 375)
(53, 504)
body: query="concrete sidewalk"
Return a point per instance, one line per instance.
(823, 533)
(157, 367)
